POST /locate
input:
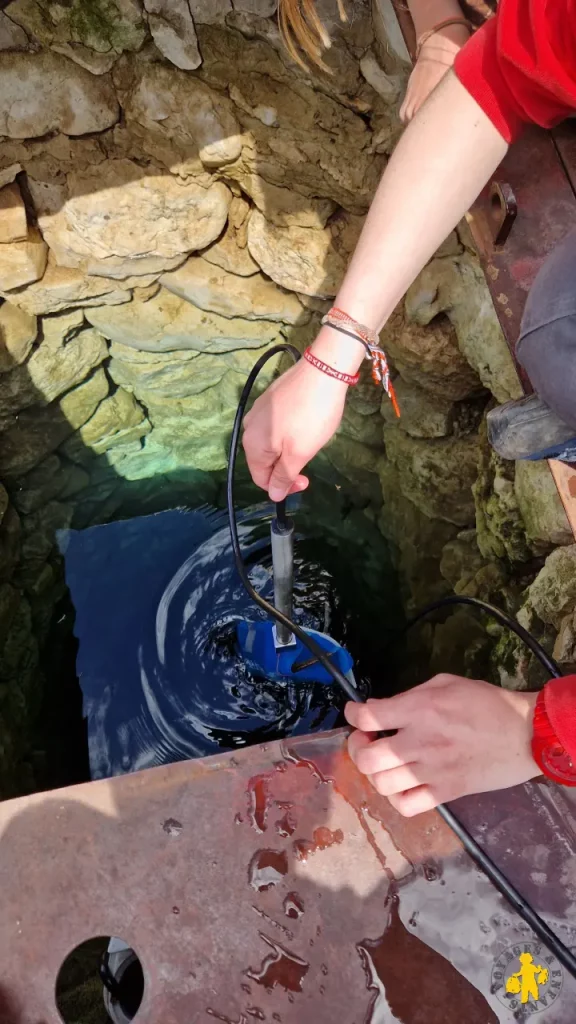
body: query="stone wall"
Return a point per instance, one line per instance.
(175, 196)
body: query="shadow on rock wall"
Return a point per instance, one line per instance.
(160, 229)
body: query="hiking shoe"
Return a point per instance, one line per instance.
(528, 429)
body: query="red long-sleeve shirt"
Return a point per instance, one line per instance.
(521, 67)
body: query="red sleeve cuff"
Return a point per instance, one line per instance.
(477, 67)
(560, 704)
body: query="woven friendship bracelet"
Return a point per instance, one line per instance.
(338, 316)
(346, 378)
(368, 337)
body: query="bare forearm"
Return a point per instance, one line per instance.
(444, 159)
(427, 13)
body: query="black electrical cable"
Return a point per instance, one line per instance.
(500, 616)
(318, 652)
(478, 855)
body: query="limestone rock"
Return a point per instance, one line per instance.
(117, 216)
(9, 174)
(367, 429)
(210, 12)
(553, 593)
(117, 421)
(94, 62)
(42, 93)
(217, 291)
(461, 645)
(9, 603)
(299, 259)
(308, 149)
(457, 287)
(415, 538)
(500, 528)
(10, 543)
(436, 476)
(365, 399)
(13, 226)
(286, 207)
(358, 464)
(201, 435)
(62, 288)
(166, 322)
(451, 246)
(391, 44)
(166, 381)
(261, 8)
(461, 558)
(423, 414)
(177, 363)
(565, 646)
(18, 332)
(78, 405)
(40, 530)
(430, 357)
(470, 574)
(540, 506)
(12, 37)
(38, 432)
(4, 501)
(103, 26)
(173, 32)
(357, 32)
(160, 376)
(387, 86)
(230, 256)
(49, 372)
(51, 479)
(182, 123)
(253, 27)
(22, 262)
(60, 327)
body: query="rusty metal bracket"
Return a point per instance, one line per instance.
(492, 217)
(503, 211)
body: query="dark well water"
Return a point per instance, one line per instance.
(156, 601)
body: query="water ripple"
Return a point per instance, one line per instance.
(156, 602)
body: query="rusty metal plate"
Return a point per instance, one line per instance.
(275, 885)
(565, 141)
(546, 212)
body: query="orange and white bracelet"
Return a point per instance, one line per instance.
(368, 337)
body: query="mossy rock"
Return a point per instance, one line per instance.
(100, 25)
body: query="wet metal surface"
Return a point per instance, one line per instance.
(275, 885)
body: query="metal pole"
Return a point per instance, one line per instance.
(282, 538)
